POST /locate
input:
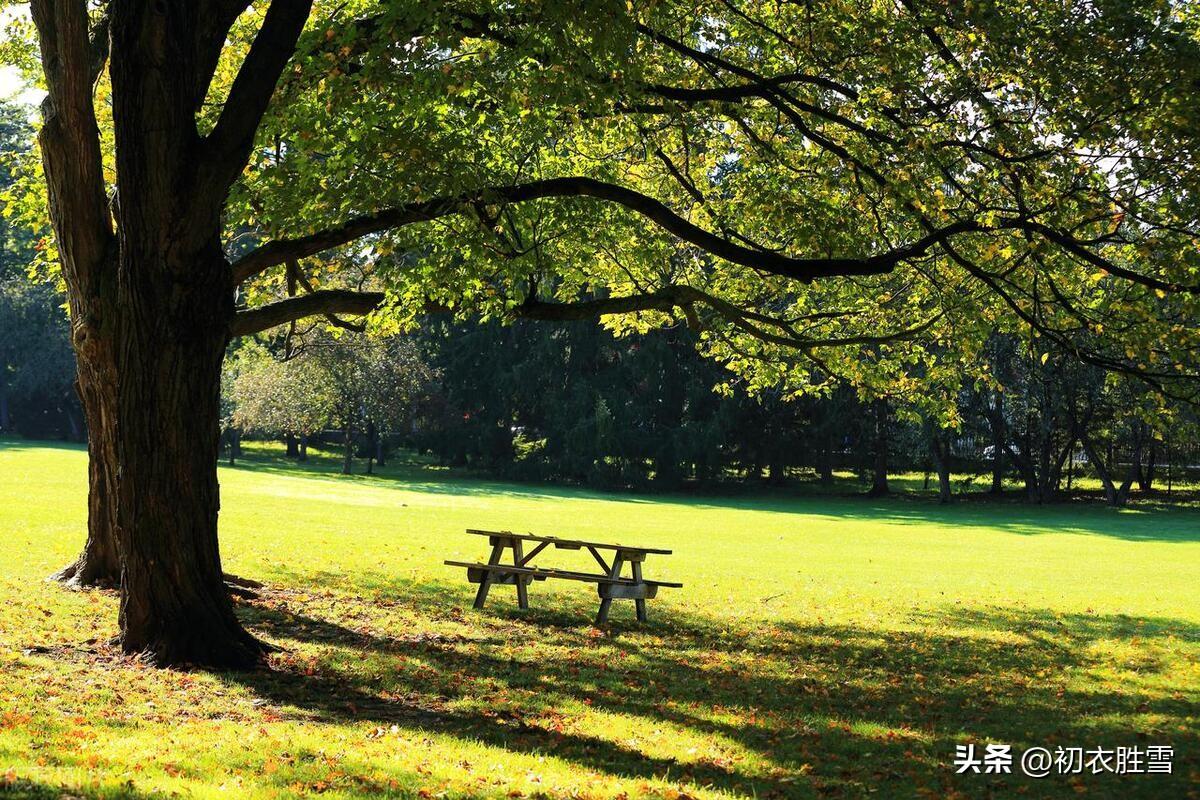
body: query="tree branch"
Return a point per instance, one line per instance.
(805, 269)
(216, 18)
(70, 139)
(338, 301)
(320, 302)
(228, 146)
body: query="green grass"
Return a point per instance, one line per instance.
(821, 647)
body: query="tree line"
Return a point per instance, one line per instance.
(571, 402)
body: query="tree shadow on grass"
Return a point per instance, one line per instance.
(22, 789)
(786, 710)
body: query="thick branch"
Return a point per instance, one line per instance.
(216, 18)
(70, 140)
(228, 146)
(336, 301)
(322, 301)
(806, 269)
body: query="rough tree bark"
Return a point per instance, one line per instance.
(99, 565)
(70, 147)
(175, 607)
(150, 294)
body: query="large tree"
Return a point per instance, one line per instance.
(842, 189)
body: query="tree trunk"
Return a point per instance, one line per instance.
(775, 471)
(151, 292)
(1135, 468)
(380, 450)
(175, 608)
(879, 478)
(372, 446)
(348, 455)
(996, 418)
(99, 565)
(940, 447)
(1101, 468)
(825, 464)
(234, 438)
(293, 449)
(303, 448)
(1146, 475)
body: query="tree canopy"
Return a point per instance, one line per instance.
(998, 165)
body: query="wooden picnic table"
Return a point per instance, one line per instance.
(610, 583)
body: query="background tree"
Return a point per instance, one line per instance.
(278, 397)
(37, 395)
(347, 382)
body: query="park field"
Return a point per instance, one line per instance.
(821, 647)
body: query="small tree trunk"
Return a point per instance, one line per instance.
(944, 487)
(293, 449)
(348, 457)
(380, 452)
(939, 448)
(75, 429)
(879, 478)
(234, 437)
(996, 420)
(1135, 467)
(303, 453)
(1170, 473)
(943, 471)
(372, 446)
(1146, 482)
(1101, 468)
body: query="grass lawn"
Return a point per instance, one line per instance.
(821, 647)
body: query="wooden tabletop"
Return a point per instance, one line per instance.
(572, 544)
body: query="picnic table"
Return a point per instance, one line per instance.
(610, 583)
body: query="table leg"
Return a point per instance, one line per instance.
(606, 602)
(641, 601)
(522, 591)
(486, 583)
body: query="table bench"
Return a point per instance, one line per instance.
(610, 583)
